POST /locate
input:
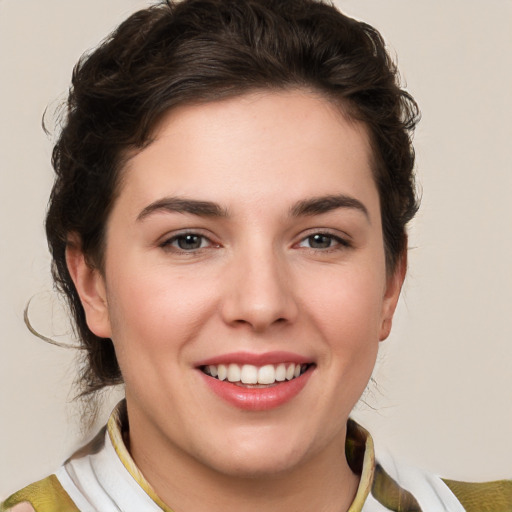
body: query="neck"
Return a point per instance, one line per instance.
(324, 482)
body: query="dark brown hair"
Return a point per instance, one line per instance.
(203, 50)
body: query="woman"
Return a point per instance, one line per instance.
(228, 224)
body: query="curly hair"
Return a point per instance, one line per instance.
(176, 53)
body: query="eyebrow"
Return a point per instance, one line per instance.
(180, 205)
(325, 204)
(306, 207)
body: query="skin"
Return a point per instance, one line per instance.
(258, 283)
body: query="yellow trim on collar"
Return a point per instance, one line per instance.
(117, 419)
(357, 435)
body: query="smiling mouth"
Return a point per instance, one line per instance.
(248, 375)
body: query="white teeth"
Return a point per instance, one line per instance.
(266, 374)
(234, 373)
(222, 372)
(250, 374)
(280, 372)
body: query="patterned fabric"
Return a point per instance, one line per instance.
(483, 497)
(47, 495)
(102, 476)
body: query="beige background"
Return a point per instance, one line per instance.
(444, 395)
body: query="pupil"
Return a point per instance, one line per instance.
(189, 242)
(320, 241)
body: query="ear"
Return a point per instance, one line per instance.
(91, 289)
(392, 293)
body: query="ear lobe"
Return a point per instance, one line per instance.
(392, 294)
(90, 286)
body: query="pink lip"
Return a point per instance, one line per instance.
(257, 399)
(255, 359)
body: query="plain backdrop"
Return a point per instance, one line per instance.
(443, 398)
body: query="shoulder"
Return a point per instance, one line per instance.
(51, 494)
(46, 495)
(484, 496)
(399, 486)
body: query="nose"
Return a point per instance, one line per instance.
(259, 292)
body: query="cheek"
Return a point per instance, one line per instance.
(156, 312)
(345, 316)
(348, 307)
(346, 312)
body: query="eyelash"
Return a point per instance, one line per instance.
(337, 243)
(168, 244)
(172, 244)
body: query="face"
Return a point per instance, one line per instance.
(245, 287)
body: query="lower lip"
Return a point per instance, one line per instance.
(258, 399)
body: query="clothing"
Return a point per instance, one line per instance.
(103, 477)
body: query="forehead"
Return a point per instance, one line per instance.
(259, 146)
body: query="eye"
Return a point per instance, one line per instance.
(187, 242)
(321, 241)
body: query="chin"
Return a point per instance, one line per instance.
(259, 465)
(260, 453)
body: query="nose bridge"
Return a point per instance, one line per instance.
(260, 291)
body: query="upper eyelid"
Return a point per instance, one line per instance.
(186, 231)
(335, 233)
(167, 240)
(339, 239)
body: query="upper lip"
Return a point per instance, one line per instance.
(263, 359)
